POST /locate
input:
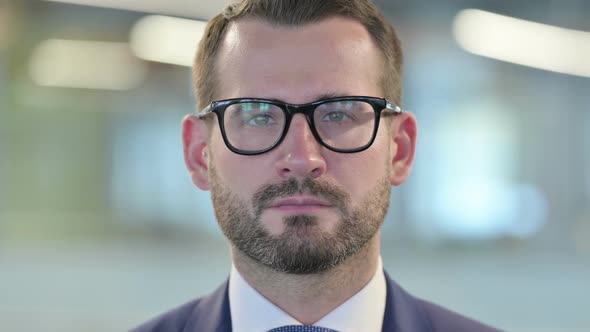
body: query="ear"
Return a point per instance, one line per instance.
(195, 142)
(404, 132)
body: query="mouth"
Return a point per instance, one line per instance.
(300, 204)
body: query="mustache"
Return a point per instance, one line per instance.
(264, 197)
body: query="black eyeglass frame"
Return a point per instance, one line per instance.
(218, 107)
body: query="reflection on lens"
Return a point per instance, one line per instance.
(345, 124)
(253, 126)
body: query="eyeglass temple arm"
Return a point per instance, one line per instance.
(396, 109)
(204, 111)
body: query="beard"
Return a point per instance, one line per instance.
(303, 247)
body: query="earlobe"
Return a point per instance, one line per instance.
(404, 133)
(195, 139)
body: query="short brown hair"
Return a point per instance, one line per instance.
(296, 13)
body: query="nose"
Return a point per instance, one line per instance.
(300, 153)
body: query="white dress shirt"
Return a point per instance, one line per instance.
(252, 312)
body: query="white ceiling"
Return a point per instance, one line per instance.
(200, 9)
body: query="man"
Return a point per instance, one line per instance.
(299, 139)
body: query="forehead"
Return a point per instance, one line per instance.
(335, 56)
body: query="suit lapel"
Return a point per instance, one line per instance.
(402, 312)
(211, 313)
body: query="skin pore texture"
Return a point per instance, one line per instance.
(303, 222)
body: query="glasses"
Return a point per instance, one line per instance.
(252, 126)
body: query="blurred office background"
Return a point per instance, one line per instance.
(101, 228)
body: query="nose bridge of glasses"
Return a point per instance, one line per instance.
(307, 112)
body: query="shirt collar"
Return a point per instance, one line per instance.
(252, 312)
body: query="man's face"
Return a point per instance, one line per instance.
(299, 208)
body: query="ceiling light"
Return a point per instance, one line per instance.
(523, 42)
(166, 39)
(86, 64)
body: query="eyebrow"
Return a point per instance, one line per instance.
(328, 95)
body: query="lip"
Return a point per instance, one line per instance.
(300, 204)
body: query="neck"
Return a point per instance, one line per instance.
(310, 297)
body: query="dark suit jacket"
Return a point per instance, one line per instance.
(403, 313)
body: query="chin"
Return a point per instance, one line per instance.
(300, 224)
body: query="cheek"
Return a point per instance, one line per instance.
(358, 173)
(243, 174)
(235, 172)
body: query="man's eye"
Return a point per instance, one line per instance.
(260, 120)
(337, 117)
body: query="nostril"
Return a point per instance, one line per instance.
(285, 172)
(316, 172)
